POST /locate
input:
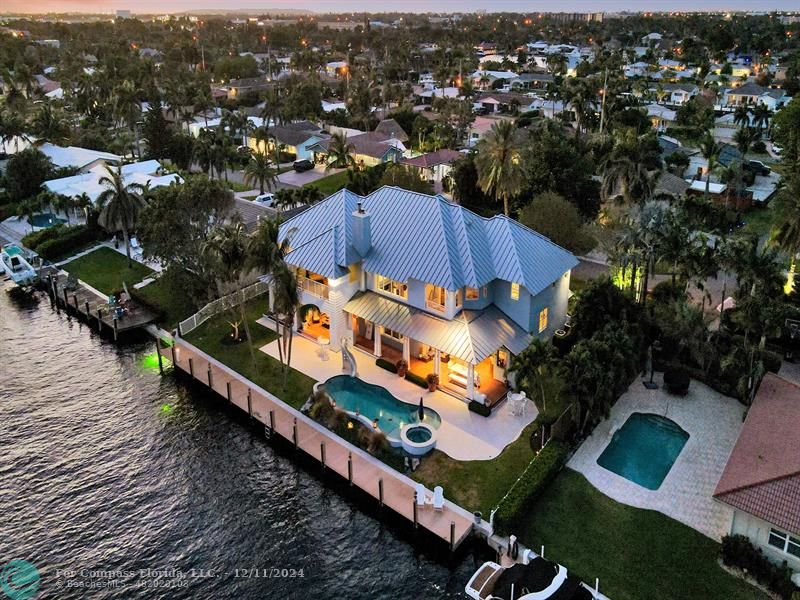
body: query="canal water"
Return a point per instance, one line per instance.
(118, 483)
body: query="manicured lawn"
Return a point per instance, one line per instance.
(266, 372)
(330, 184)
(758, 221)
(172, 303)
(477, 484)
(105, 269)
(636, 553)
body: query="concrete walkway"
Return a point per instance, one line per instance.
(713, 422)
(463, 435)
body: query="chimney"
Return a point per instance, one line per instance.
(362, 237)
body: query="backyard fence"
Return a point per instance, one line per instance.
(219, 305)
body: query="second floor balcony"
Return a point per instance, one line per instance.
(313, 286)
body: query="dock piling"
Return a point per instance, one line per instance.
(66, 298)
(294, 433)
(75, 302)
(158, 352)
(350, 467)
(88, 311)
(228, 389)
(250, 402)
(191, 367)
(99, 319)
(114, 321)
(210, 377)
(452, 535)
(322, 453)
(380, 492)
(174, 356)
(414, 504)
(272, 420)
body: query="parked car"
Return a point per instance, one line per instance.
(303, 165)
(758, 167)
(777, 148)
(267, 200)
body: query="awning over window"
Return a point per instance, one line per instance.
(471, 336)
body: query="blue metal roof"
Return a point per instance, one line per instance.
(423, 237)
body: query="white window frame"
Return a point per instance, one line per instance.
(393, 283)
(514, 291)
(787, 539)
(544, 314)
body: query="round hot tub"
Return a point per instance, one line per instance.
(418, 438)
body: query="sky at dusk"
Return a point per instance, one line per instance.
(162, 6)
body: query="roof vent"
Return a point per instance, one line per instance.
(360, 208)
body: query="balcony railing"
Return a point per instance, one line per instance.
(315, 288)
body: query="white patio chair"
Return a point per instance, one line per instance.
(438, 498)
(420, 489)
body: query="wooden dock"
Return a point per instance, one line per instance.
(389, 488)
(93, 305)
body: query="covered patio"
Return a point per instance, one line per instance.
(470, 353)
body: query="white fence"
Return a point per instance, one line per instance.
(220, 305)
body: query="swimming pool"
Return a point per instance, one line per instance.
(644, 449)
(375, 402)
(46, 220)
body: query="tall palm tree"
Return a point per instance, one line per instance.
(623, 168)
(710, 150)
(741, 116)
(761, 116)
(227, 245)
(120, 204)
(28, 208)
(785, 232)
(49, 125)
(13, 128)
(128, 109)
(339, 153)
(259, 168)
(743, 138)
(499, 164)
(285, 303)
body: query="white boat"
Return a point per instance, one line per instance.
(540, 579)
(16, 265)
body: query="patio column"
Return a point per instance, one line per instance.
(297, 321)
(470, 381)
(271, 299)
(407, 349)
(437, 364)
(376, 334)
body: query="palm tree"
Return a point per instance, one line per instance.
(532, 367)
(741, 116)
(49, 125)
(259, 168)
(499, 164)
(128, 109)
(761, 116)
(339, 153)
(285, 304)
(710, 150)
(28, 208)
(120, 204)
(13, 128)
(785, 232)
(623, 168)
(63, 204)
(743, 138)
(227, 245)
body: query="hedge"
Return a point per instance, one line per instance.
(385, 364)
(37, 238)
(73, 239)
(420, 381)
(738, 551)
(529, 486)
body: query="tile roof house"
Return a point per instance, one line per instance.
(761, 480)
(433, 166)
(404, 275)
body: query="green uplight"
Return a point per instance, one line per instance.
(167, 408)
(149, 362)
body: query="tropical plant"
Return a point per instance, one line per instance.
(340, 153)
(285, 304)
(259, 169)
(785, 233)
(120, 204)
(499, 164)
(710, 150)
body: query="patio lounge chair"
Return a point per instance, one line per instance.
(420, 489)
(438, 498)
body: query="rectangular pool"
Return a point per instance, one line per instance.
(644, 449)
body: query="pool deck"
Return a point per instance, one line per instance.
(452, 524)
(463, 435)
(713, 422)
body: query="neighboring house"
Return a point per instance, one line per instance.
(336, 68)
(677, 94)
(761, 480)
(331, 105)
(368, 149)
(237, 87)
(660, 116)
(433, 166)
(532, 81)
(403, 275)
(294, 138)
(426, 95)
(751, 94)
(495, 102)
(148, 172)
(391, 128)
(670, 186)
(82, 159)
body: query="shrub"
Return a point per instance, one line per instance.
(677, 381)
(416, 379)
(68, 241)
(666, 292)
(738, 551)
(479, 408)
(385, 364)
(36, 238)
(759, 147)
(531, 483)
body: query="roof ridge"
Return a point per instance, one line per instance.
(741, 488)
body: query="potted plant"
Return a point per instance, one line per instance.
(433, 381)
(402, 368)
(677, 381)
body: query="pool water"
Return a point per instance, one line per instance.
(46, 220)
(644, 449)
(418, 435)
(375, 402)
